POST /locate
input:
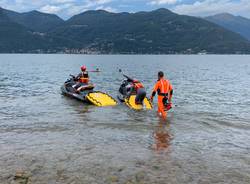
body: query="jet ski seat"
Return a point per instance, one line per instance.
(85, 87)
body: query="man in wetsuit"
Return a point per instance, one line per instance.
(165, 91)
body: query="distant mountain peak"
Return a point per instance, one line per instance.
(237, 24)
(38, 13)
(225, 14)
(92, 13)
(102, 11)
(1, 9)
(35, 11)
(34, 20)
(95, 12)
(3, 16)
(163, 10)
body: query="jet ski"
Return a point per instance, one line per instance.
(85, 92)
(134, 99)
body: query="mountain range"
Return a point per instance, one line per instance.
(237, 24)
(18, 35)
(157, 32)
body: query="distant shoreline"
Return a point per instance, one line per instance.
(125, 54)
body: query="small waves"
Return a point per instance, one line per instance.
(207, 130)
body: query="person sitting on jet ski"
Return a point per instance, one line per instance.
(82, 79)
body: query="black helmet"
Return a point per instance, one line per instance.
(160, 74)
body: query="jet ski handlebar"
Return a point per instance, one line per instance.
(128, 78)
(72, 76)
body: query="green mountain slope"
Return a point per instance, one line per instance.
(156, 32)
(35, 20)
(159, 31)
(15, 38)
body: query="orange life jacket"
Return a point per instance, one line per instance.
(138, 85)
(84, 78)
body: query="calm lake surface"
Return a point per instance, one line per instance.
(55, 139)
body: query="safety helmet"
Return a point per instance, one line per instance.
(160, 74)
(83, 68)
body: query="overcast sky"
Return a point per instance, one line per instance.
(67, 8)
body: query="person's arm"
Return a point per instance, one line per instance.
(129, 89)
(154, 92)
(170, 92)
(133, 89)
(78, 76)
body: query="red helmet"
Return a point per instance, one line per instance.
(83, 68)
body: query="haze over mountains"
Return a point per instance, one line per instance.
(156, 32)
(236, 24)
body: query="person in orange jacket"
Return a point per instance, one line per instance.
(83, 77)
(165, 91)
(133, 87)
(140, 92)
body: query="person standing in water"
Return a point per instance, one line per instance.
(164, 90)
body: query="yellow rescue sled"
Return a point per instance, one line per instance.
(130, 101)
(100, 99)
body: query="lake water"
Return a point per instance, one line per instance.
(57, 140)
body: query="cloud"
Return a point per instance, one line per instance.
(87, 5)
(210, 7)
(62, 1)
(75, 9)
(162, 2)
(64, 8)
(67, 8)
(101, 1)
(108, 8)
(92, 3)
(50, 9)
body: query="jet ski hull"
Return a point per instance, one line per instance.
(79, 96)
(85, 93)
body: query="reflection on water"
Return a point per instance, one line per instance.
(49, 138)
(162, 137)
